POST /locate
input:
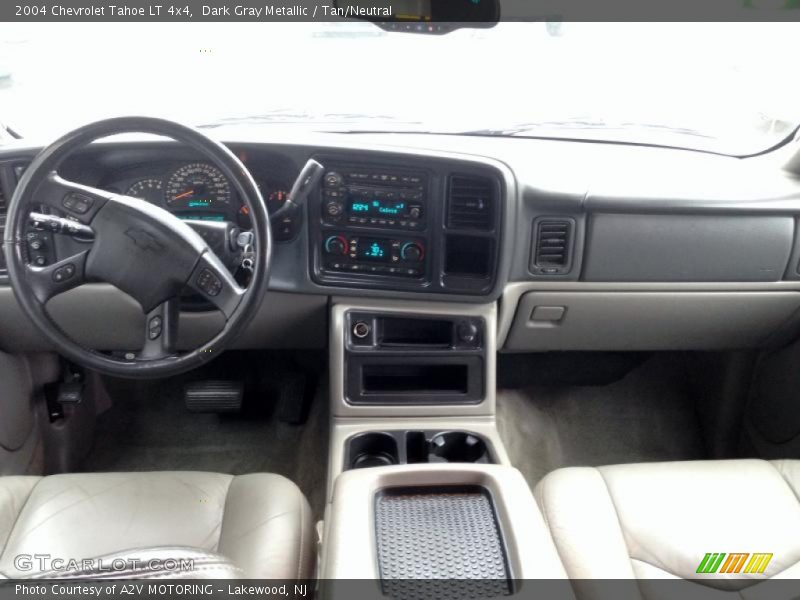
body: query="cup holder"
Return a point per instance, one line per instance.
(458, 446)
(407, 447)
(376, 449)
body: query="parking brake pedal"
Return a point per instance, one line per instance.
(213, 396)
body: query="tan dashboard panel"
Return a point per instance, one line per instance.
(649, 320)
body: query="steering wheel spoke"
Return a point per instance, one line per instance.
(49, 281)
(78, 201)
(215, 283)
(161, 331)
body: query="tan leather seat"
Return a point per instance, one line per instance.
(253, 526)
(659, 520)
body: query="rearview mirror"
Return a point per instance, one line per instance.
(422, 16)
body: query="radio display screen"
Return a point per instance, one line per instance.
(374, 249)
(374, 207)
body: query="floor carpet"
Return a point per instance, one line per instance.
(648, 415)
(148, 428)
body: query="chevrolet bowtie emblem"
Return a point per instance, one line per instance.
(145, 240)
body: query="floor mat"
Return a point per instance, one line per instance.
(648, 415)
(149, 429)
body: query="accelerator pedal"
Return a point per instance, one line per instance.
(214, 396)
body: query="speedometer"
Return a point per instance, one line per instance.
(197, 185)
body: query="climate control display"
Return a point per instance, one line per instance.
(375, 249)
(374, 255)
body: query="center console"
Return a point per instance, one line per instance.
(421, 495)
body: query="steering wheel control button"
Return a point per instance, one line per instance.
(154, 328)
(64, 273)
(53, 224)
(77, 203)
(209, 283)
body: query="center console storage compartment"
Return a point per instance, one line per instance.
(437, 531)
(413, 360)
(417, 380)
(383, 448)
(404, 331)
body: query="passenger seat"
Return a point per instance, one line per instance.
(662, 520)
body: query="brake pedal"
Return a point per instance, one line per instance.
(213, 396)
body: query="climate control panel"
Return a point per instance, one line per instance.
(374, 255)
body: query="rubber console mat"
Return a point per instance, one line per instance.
(443, 543)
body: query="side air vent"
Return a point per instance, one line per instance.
(552, 254)
(2, 229)
(9, 175)
(471, 203)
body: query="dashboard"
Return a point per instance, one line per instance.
(579, 246)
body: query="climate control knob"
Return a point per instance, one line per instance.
(412, 251)
(336, 244)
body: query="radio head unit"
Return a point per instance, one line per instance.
(375, 198)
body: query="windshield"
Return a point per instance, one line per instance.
(726, 87)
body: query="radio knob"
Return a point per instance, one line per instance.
(333, 179)
(415, 212)
(334, 209)
(336, 244)
(412, 252)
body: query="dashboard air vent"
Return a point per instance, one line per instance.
(471, 203)
(553, 246)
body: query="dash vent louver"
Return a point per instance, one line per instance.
(471, 203)
(2, 229)
(553, 246)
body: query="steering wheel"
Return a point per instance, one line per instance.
(140, 248)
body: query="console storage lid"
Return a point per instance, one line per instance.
(350, 548)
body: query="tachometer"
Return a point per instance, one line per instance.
(147, 189)
(197, 185)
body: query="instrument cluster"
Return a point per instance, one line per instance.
(199, 191)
